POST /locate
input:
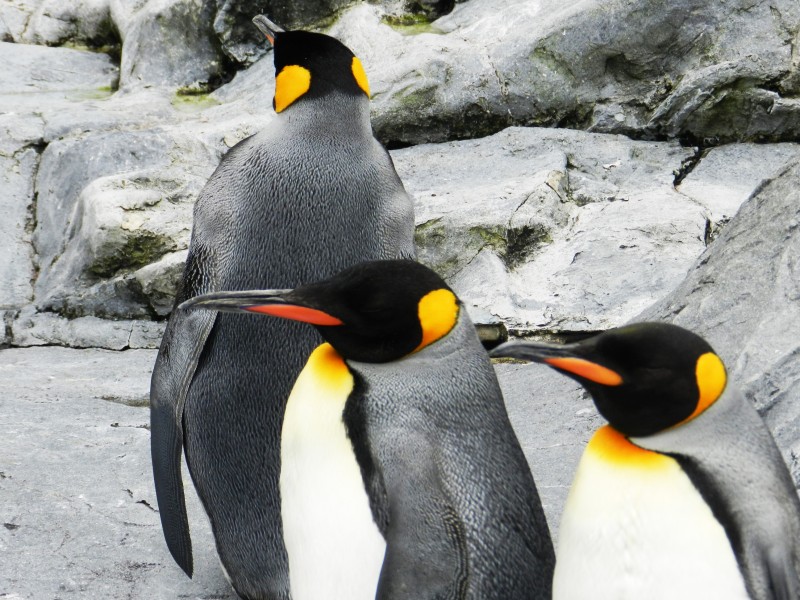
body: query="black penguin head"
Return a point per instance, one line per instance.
(373, 312)
(311, 65)
(644, 378)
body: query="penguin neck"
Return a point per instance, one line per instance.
(730, 408)
(334, 115)
(461, 340)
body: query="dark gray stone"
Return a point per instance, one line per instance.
(171, 43)
(55, 23)
(240, 39)
(743, 295)
(706, 71)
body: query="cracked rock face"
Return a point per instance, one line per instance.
(79, 516)
(743, 295)
(537, 229)
(567, 231)
(694, 69)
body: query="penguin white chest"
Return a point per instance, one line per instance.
(334, 547)
(635, 527)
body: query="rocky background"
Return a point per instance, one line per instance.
(576, 165)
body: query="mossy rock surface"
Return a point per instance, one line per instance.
(139, 249)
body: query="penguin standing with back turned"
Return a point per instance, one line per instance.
(311, 194)
(401, 476)
(684, 494)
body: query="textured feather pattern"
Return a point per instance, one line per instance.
(464, 516)
(732, 460)
(310, 195)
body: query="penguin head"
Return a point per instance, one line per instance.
(373, 312)
(643, 378)
(311, 65)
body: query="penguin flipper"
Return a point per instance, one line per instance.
(177, 360)
(783, 578)
(430, 562)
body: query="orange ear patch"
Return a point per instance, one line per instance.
(291, 83)
(296, 313)
(711, 381)
(586, 369)
(438, 312)
(361, 75)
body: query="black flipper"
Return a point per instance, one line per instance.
(177, 359)
(783, 578)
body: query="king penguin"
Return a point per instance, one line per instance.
(684, 493)
(311, 194)
(401, 477)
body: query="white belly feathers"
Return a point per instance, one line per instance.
(335, 549)
(635, 527)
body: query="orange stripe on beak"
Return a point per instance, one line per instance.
(296, 313)
(586, 369)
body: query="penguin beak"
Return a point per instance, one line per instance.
(275, 303)
(267, 27)
(564, 358)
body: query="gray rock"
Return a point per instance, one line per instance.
(101, 111)
(159, 281)
(14, 17)
(554, 229)
(30, 328)
(16, 204)
(61, 71)
(69, 165)
(695, 69)
(117, 224)
(20, 144)
(79, 511)
(426, 86)
(727, 175)
(743, 296)
(123, 13)
(171, 43)
(243, 43)
(56, 22)
(535, 228)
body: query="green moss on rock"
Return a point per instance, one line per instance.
(522, 241)
(410, 24)
(190, 100)
(141, 248)
(493, 237)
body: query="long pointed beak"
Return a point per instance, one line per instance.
(267, 27)
(564, 358)
(532, 351)
(275, 303)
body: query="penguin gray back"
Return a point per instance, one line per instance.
(313, 193)
(456, 479)
(742, 477)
